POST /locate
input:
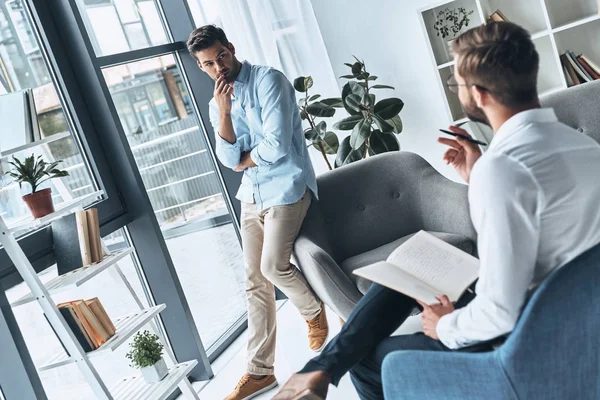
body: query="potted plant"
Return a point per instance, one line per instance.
(36, 171)
(146, 354)
(374, 124)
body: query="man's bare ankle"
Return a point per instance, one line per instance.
(257, 377)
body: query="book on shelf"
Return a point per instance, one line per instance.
(424, 267)
(96, 306)
(580, 70)
(87, 320)
(588, 68)
(497, 16)
(77, 241)
(571, 73)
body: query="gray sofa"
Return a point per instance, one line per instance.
(368, 208)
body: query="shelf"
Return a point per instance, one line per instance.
(448, 64)
(577, 23)
(49, 139)
(135, 388)
(63, 209)
(538, 35)
(126, 326)
(77, 277)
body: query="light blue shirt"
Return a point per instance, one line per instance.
(267, 124)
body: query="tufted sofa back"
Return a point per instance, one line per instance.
(378, 200)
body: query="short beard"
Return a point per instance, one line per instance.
(474, 113)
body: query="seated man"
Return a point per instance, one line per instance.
(533, 199)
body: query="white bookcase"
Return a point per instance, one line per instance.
(132, 388)
(555, 25)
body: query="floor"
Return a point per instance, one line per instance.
(292, 354)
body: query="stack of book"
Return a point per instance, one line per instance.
(77, 240)
(578, 69)
(88, 320)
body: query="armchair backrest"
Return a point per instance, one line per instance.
(375, 201)
(578, 107)
(555, 347)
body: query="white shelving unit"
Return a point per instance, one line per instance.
(126, 326)
(555, 26)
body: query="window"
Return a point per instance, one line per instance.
(165, 138)
(23, 66)
(117, 26)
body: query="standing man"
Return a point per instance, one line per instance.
(533, 200)
(259, 132)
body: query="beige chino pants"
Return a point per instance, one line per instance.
(268, 237)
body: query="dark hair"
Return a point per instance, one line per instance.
(500, 57)
(204, 37)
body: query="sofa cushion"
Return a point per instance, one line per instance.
(382, 252)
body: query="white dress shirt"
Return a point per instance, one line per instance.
(535, 204)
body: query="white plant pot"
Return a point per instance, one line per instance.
(156, 372)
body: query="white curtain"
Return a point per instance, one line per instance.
(283, 34)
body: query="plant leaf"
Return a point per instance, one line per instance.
(346, 91)
(348, 123)
(388, 108)
(308, 82)
(353, 101)
(314, 97)
(382, 87)
(379, 143)
(347, 76)
(321, 128)
(329, 142)
(383, 125)
(373, 78)
(346, 154)
(360, 133)
(396, 122)
(311, 134)
(299, 84)
(348, 65)
(333, 102)
(319, 109)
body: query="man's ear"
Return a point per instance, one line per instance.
(479, 95)
(231, 48)
(199, 64)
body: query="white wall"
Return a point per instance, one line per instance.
(388, 36)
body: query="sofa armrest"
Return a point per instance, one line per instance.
(444, 375)
(325, 277)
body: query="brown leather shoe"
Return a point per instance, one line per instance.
(318, 330)
(249, 387)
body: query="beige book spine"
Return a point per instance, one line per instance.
(82, 234)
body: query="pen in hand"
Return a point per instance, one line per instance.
(463, 137)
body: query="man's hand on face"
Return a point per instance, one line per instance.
(432, 314)
(245, 163)
(222, 94)
(462, 154)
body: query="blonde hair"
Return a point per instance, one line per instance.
(500, 58)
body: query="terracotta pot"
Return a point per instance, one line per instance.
(40, 203)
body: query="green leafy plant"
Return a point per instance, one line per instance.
(146, 350)
(452, 21)
(325, 141)
(34, 171)
(374, 124)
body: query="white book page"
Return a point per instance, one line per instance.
(391, 276)
(436, 263)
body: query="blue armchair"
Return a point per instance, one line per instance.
(552, 354)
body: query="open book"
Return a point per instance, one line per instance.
(424, 267)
